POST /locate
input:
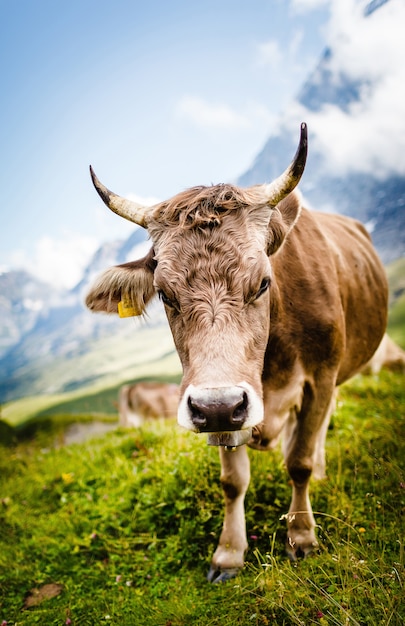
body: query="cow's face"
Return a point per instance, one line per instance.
(214, 280)
(210, 265)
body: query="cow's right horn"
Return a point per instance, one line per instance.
(284, 184)
(128, 209)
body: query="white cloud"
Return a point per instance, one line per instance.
(210, 115)
(367, 47)
(370, 136)
(288, 61)
(59, 262)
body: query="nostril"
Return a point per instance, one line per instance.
(197, 416)
(239, 414)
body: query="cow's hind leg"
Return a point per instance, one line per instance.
(304, 456)
(230, 553)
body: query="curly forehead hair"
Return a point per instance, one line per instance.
(200, 207)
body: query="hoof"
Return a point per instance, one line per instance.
(216, 575)
(297, 552)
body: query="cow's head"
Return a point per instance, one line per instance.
(210, 265)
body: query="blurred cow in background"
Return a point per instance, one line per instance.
(146, 400)
(388, 355)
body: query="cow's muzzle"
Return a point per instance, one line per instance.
(226, 413)
(218, 409)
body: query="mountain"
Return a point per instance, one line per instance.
(49, 342)
(52, 344)
(22, 299)
(339, 101)
(114, 253)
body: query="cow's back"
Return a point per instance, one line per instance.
(331, 297)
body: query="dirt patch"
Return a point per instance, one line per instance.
(80, 432)
(37, 595)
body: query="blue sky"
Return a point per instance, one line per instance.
(157, 95)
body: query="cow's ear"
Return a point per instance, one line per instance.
(130, 284)
(283, 219)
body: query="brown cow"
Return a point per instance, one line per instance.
(146, 400)
(271, 306)
(388, 355)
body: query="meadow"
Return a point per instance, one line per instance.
(120, 529)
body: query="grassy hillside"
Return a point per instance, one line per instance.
(98, 398)
(396, 320)
(121, 531)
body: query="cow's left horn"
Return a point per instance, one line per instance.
(129, 209)
(284, 184)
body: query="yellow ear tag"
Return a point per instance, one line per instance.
(127, 309)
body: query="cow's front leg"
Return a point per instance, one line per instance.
(230, 553)
(304, 456)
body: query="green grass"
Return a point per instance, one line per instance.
(127, 526)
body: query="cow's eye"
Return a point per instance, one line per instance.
(263, 286)
(165, 299)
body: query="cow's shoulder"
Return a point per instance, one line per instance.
(331, 297)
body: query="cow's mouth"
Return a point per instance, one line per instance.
(231, 439)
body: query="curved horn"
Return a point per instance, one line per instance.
(128, 209)
(284, 184)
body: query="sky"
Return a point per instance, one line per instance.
(159, 96)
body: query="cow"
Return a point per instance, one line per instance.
(271, 307)
(388, 355)
(146, 400)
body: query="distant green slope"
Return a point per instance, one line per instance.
(396, 318)
(95, 398)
